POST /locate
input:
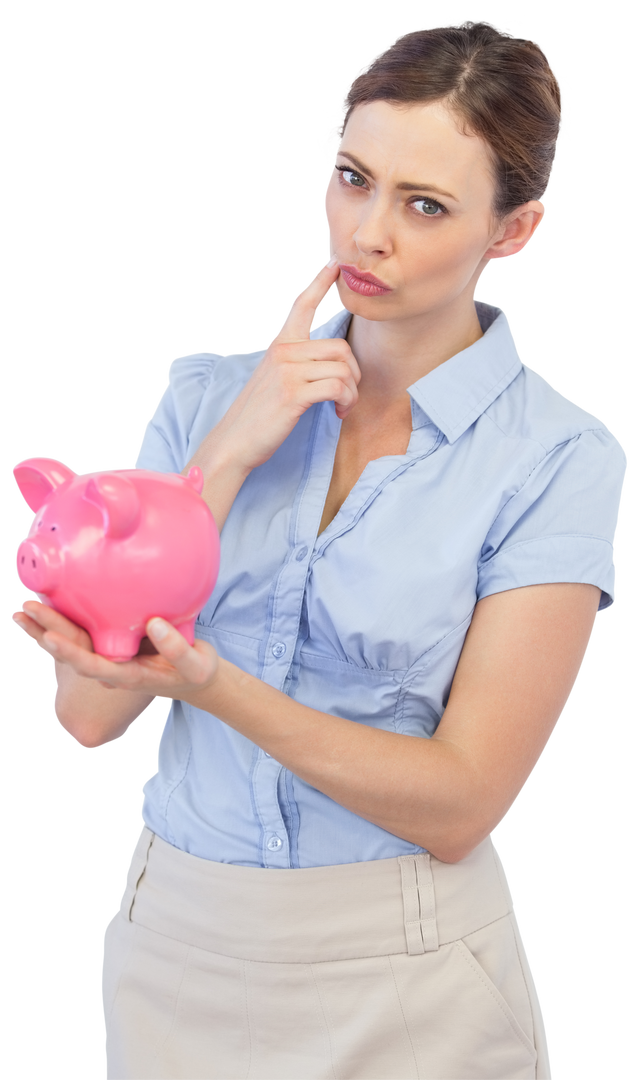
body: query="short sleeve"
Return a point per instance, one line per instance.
(560, 525)
(165, 443)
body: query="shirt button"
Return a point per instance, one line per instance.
(302, 553)
(274, 843)
(278, 649)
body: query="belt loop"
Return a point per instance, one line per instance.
(418, 893)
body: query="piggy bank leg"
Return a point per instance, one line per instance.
(117, 645)
(187, 629)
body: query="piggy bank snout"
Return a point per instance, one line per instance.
(34, 568)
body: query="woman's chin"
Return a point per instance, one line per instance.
(375, 308)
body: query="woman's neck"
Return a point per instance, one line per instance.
(393, 355)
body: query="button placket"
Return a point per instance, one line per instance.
(275, 845)
(287, 604)
(291, 582)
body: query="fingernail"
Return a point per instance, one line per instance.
(52, 646)
(158, 629)
(332, 261)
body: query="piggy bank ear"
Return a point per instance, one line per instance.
(38, 477)
(195, 479)
(118, 500)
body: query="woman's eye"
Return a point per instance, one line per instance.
(424, 206)
(349, 176)
(428, 207)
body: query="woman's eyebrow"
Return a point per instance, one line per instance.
(406, 185)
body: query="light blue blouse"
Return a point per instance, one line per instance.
(505, 484)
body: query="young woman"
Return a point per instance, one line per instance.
(416, 537)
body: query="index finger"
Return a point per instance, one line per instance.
(298, 324)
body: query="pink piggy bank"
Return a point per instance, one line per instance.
(111, 550)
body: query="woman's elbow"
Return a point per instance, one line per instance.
(87, 735)
(456, 842)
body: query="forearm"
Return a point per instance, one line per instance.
(223, 473)
(421, 790)
(95, 714)
(92, 713)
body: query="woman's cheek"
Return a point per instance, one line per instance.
(336, 216)
(447, 257)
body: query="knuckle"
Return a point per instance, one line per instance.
(285, 353)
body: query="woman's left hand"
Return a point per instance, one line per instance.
(177, 670)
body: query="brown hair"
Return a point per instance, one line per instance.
(501, 87)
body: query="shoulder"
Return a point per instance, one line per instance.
(201, 387)
(196, 373)
(531, 409)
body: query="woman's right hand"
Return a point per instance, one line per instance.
(294, 374)
(37, 620)
(82, 709)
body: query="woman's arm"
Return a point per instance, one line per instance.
(91, 711)
(294, 374)
(520, 659)
(223, 478)
(519, 662)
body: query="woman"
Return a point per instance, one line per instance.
(416, 537)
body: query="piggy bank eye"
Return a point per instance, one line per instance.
(53, 528)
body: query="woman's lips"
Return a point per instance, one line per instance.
(360, 281)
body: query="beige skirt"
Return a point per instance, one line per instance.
(381, 970)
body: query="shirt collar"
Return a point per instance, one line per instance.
(457, 392)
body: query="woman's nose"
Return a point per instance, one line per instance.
(373, 235)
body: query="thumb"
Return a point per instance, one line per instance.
(298, 325)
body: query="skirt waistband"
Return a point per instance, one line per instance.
(411, 904)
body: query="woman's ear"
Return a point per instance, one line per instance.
(514, 232)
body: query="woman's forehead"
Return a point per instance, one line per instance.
(415, 145)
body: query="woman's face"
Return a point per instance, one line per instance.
(410, 202)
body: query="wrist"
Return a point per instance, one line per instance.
(219, 465)
(209, 697)
(223, 473)
(218, 458)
